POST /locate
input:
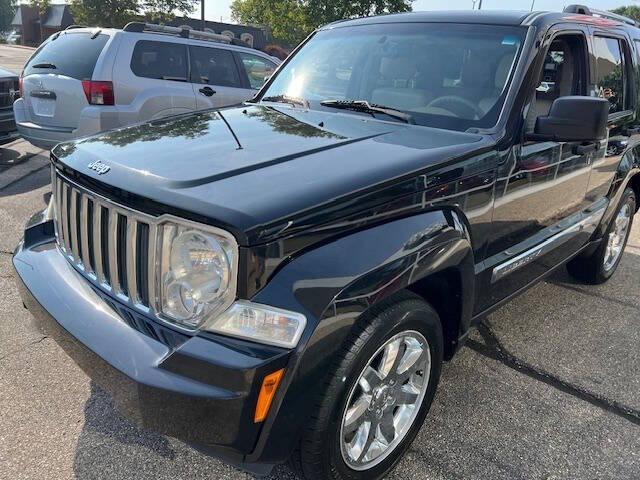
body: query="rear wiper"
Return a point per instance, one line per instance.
(365, 106)
(45, 65)
(287, 99)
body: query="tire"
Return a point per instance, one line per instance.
(399, 326)
(600, 266)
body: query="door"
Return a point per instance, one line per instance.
(612, 69)
(52, 79)
(541, 186)
(158, 82)
(215, 78)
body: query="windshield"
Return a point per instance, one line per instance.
(450, 76)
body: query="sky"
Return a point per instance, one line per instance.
(219, 9)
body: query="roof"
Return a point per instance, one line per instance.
(487, 17)
(58, 16)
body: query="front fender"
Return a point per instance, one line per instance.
(337, 282)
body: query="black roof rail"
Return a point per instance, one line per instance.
(584, 10)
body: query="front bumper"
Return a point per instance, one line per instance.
(200, 390)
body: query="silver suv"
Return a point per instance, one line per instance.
(86, 80)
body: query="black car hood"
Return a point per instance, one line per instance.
(248, 167)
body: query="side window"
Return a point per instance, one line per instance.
(564, 73)
(213, 66)
(258, 69)
(610, 75)
(160, 60)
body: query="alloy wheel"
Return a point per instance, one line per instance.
(617, 237)
(385, 401)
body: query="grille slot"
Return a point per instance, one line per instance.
(112, 246)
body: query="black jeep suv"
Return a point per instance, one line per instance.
(283, 280)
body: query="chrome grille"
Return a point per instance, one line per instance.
(7, 92)
(111, 245)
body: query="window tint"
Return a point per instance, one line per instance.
(57, 53)
(563, 73)
(258, 69)
(213, 66)
(450, 76)
(610, 72)
(160, 60)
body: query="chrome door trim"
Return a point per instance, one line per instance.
(589, 221)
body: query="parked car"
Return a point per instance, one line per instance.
(282, 281)
(12, 38)
(9, 91)
(115, 78)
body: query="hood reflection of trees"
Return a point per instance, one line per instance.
(186, 126)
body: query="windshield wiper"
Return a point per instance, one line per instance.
(365, 106)
(287, 99)
(45, 65)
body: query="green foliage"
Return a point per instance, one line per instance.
(7, 11)
(292, 20)
(321, 12)
(40, 5)
(632, 11)
(161, 11)
(286, 18)
(117, 13)
(104, 13)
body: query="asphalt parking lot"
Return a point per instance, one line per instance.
(548, 387)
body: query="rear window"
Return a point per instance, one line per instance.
(71, 54)
(160, 60)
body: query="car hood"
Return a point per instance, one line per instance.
(248, 167)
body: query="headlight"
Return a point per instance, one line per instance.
(197, 274)
(260, 323)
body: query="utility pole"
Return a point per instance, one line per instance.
(204, 23)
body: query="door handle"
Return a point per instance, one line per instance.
(207, 91)
(586, 148)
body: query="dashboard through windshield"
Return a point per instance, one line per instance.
(452, 76)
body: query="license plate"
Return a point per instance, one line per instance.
(43, 107)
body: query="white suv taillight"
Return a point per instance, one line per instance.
(98, 93)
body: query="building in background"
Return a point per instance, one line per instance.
(253, 35)
(58, 17)
(33, 29)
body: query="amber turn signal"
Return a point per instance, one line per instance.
(267, 392)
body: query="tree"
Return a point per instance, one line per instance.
(161, 11)
(292, 20)
(285, 18)
(7, 11)
(321, 12)
(104, 13)
(632, 11)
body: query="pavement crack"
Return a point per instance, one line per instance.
(5, 252)
(23, 347)
(493, 348)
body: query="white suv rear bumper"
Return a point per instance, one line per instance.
(92, 120)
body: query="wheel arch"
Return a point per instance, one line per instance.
(429, 254)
